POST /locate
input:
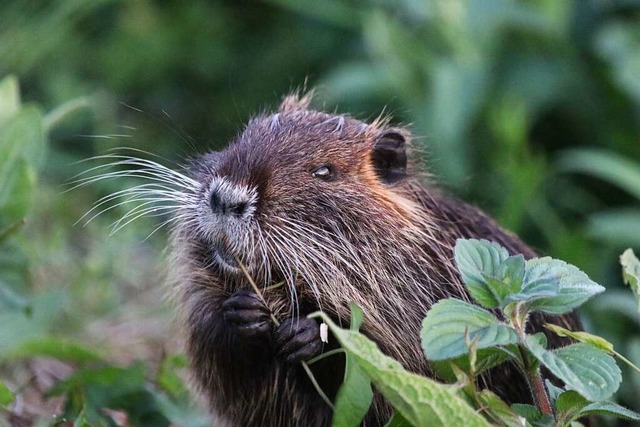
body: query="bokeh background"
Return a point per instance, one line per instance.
(527, 109)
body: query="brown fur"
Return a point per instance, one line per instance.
(386, 246)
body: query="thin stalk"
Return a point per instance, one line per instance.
(533, 377)
(305, 366)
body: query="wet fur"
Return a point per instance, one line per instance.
(387, 247)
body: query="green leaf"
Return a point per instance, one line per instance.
(6, 396)
(553, 391)
(10, 230)
(571, 406)
(613, 168)
(421, 401)
(81, 420)
(509, 280)
(22, 146)
(619, 227)
(610, 409)
(59, 348)
(573, 286)
(585, 337)
(397, 420)
(179, 413)
(9, 98)
(631, 273)
(445, 327)
(533, 415)
(168, 377)
(539, 282)
(355, 395)
(570, 402)
(485, 359)
(497, 409)
(583, 368)
(477, 260)
(22, 326)
(16, 193)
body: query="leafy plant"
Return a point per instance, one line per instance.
(93, 388)
(462, 340)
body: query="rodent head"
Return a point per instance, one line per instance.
(304, 197)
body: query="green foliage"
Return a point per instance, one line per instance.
(96, 384)
(581, 367)
(6, 396)
(455, 324)
(420, 401)
(472, 339)
(546, 285)
(631, 272)
(518, 107)
(355, 395)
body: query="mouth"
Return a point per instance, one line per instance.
(224, 258)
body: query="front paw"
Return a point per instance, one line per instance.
(245, 312)
(298, 340)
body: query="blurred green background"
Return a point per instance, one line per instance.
(528, 109)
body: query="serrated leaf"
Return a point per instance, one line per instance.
(476, 260)
(421, 401)
(6, 396)
(573, 286)
(631, 273)
(585, 337)
(355, 395)
(570, 401)
(508, 280)
(530, 412)
(539, 282)
(444, 328)
(583, 368)
(497, 409)
(533, 415)
(608, 408)
(485, 359)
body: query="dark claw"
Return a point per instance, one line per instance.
(298, 339)
(247, 314)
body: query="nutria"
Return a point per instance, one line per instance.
(334, 210)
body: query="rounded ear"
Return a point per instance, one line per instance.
(389, 156)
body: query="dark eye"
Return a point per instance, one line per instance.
(323, 172)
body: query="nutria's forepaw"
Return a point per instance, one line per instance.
(298, 339)
(247, 314)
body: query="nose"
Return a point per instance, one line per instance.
(228, 201)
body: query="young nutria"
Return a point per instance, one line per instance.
(335, 210)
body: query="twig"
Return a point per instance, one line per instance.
(305, 366)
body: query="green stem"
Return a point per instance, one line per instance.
(625, 360)
(325, 355)
(533, 377)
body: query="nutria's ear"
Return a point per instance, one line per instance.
(389, 156)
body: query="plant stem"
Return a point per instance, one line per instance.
(625, 360)
(534, 378)
(540, 393)
(305, 366)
